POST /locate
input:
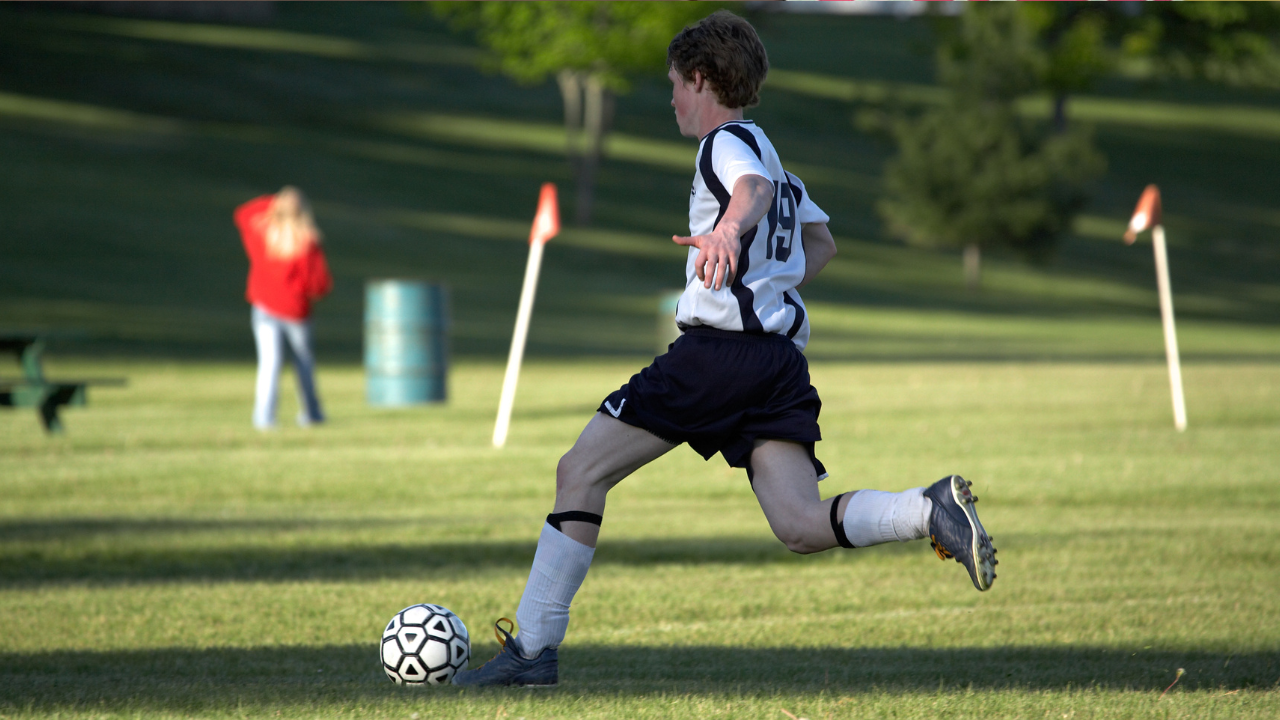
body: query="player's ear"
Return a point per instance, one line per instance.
(699, 81)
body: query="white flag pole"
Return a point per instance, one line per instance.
(516, 356)
(1148, 215)
(1170, 332)
(545, 226)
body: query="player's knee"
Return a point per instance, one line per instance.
(571, 476)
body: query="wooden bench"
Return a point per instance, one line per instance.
(34, 390)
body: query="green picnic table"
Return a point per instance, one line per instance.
(34, 390)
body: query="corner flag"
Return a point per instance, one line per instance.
(1148, 215)
(546, 225)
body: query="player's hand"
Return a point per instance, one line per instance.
(717, 262)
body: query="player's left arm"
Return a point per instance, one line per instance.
(819, 248)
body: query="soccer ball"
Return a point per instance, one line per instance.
(424, 645)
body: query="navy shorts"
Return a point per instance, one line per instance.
(721, 391)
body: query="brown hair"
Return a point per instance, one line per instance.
(728, 53)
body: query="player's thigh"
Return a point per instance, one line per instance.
(785, 484)
(607, 451)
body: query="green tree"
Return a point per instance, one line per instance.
(1227, 42)
(1075, 44)
(971, 173)
(592, 49)
(975, 175)
(1234, 43)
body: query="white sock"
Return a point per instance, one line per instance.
(873, 517)
(559, 567)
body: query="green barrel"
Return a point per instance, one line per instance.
(405, 342)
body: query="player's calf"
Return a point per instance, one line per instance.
(872, 517)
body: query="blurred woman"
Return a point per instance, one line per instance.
(287, 273)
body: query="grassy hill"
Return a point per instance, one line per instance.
(125, 143)
(164, 559)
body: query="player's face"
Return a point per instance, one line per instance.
(683, 100)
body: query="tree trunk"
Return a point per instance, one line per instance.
(972, 267)
(1060, 112)
(597, 117)
(571, 91)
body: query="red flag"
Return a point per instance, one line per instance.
(546, 224)
(1145, 215)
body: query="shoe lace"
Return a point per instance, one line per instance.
(943, 552)
(503, 635)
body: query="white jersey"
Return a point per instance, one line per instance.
(762, 298)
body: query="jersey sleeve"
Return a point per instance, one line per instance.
(807, 211)
(731, 159)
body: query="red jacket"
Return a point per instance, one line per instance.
(282, 287)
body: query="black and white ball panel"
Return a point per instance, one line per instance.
(424, 645)
(393, 627)
(458, 628)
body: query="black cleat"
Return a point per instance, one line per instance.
(954, 530)
(510, 668)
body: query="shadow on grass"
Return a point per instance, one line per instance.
(212, 678)
(110, 563)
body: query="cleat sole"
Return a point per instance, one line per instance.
(983, 551)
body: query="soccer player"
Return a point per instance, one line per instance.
(735, 382)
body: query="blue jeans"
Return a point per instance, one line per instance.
(270, 333)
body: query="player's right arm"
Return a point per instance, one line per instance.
(819, 248)
(717, 262)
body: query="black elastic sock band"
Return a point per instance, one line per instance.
(554, 519)
(837, 525)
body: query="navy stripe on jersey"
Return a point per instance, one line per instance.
(795, 187)
(745, 136)
(799, 322)
(746, 298)
(709, 177)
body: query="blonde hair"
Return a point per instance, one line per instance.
(290, 227)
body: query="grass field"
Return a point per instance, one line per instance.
(162, 559)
